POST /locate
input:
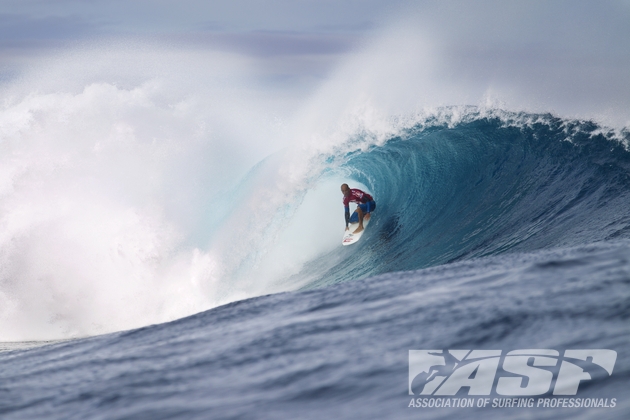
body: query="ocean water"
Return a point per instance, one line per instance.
(491, 233)
(170, 247)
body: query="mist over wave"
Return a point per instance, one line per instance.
(140, 183)
(112, 182)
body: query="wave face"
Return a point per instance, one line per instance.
(486, 185)
(341, 352)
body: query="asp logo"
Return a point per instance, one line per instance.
(523, 372)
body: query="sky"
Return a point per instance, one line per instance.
(571, 57)
(259, 28)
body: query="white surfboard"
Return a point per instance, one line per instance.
(350, 238)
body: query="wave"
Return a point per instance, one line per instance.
(124, 204)
(485, 184)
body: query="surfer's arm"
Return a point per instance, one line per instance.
(347, 211)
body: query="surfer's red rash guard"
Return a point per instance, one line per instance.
(355, 196)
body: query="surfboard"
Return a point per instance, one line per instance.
(350, 238)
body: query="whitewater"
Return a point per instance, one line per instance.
(170, 228)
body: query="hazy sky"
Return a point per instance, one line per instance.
(575, 55)
(284, 27)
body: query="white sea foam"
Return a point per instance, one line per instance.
(123, 196)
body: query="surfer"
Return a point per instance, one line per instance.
(365, 204)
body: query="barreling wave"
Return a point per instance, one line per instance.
(486, 184)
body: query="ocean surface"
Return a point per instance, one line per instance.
(494, 230)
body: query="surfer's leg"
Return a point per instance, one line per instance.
(360, 213)
(369, 208)
(368, 211)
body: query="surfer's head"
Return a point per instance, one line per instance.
(345, 189)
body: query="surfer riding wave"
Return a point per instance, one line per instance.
(365, 205)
